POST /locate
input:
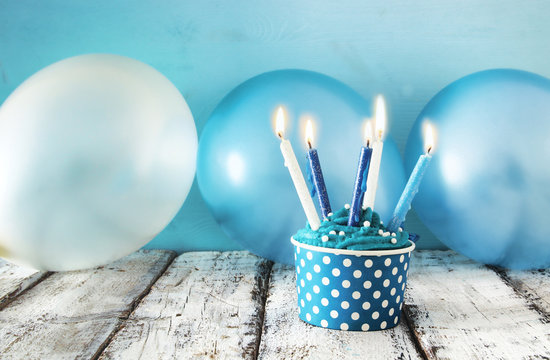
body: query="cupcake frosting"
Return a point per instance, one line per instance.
(334, 232)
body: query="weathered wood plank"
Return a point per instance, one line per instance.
(459, 309)
(206, 305)
(15, 279)
(71, 315)
(533, 285)
(287, 337)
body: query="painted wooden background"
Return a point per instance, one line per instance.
(407, 50)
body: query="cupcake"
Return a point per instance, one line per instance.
(351, 278)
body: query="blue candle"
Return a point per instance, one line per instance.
(361, 179)
(404, 203)
(315, 174)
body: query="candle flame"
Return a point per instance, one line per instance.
(309, 133)
(380, 116)
(280, 122)
(429, 138)
(368, 132)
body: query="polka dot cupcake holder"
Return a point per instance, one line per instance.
(348, 289)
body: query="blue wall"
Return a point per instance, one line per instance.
(407, 50)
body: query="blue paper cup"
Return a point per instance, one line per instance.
(349, 289)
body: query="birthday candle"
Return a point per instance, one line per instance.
(404, 203)
(377, 147)
(295, 173)
(316, 173)
(361, 178)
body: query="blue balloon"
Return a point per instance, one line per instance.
(240, 168)
(487, 191)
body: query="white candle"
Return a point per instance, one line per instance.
(296, 173)
(377, 147)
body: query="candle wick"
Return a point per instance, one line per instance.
(368, 142)
(280, 134)
(429, 150)
(309, 144)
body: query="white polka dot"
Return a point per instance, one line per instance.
(344, 326)
(344, 305)
(376, 294)
(334, 314)
(386, 283)
(366, 305)
(302, 282)
(295, 257)
(324, 301)
(375, 315)
(326, 260)
(308, 317)
(365, 327)
(397, 299)
(308, 296)
(405, 267)
(356, 295)
(400, 278)
(383, 325)
(346, 284)
(302, 302)
(324, 238)
(387, 262)
(378, 273)
(315, 309)
(316, 289)
(396, 320)
(385, 303)
(402, 258)
(347, 262)
(324, 323)
(316, 268)
(297, 269)
(309, 255)
(298, 250)
(298, 288)
(299, 310)
(302, 262)
(390, 313)
(400, 306)
(325, 281)
(357, 274)
(335, 272)
(308, 276)
(392, 292)
(367, 284)
(403, 287)
(368, 263)
(335, 293)
(354, 315)
(394, 270)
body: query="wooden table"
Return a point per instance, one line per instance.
(233, 305)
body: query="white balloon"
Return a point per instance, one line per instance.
(97, 155)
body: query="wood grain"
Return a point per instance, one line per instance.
(287, 337)
(15, 279)
(459, 309)
(71, 315)
(534, 285)
(206, 305)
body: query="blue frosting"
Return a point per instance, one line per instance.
(370, 235)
